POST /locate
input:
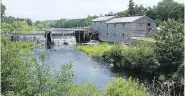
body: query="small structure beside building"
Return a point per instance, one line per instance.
(123, 29)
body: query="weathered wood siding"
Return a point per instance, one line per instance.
(116, 33)
(140, 27)
(122, 32)
(29, 37)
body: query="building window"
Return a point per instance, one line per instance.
(123, 35)
(107, 34)
(107, 25)
(148, 24)
(114, 25)
(123, 25)
(114, 34)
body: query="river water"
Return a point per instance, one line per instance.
(87, 69)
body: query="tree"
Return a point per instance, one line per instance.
(131, 11)
(3, 8)
(21, 26)
(123, 13)
(40, 25)
(167, 9)
(169, 46)
(139, 10)
(109, 14)
(24, 75)
(29, 22)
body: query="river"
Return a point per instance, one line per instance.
(87, 69)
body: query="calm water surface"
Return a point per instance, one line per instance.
(87, 69)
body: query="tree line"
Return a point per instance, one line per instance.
(70, 23)
(13, 24)
(164, 10)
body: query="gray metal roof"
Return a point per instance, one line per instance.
(67, 29)
(60, 32)
(104, 18)
(124, 19)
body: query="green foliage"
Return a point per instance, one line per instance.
(29, 22)
(17, 27)
(179, 74)
(123, 13)
(140, 10)
(110, 14)
(3, 8)
(122, 87)
(139, 57)
(131, 11)
(166, 9)
(84, 90)
(40, 25)
(148, 39)
(69, 23)
(23, 75)
(6, 26)
(170, 46)
(96, 50)
(161, 12)
(162, 77)
(15, 70)
(21, 25)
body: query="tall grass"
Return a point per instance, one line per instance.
(95, 50)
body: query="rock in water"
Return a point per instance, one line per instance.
(111, 65)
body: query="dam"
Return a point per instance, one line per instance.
(54, 36)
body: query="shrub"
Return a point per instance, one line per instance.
(140, 56)
(170, 46)
(179, 74)
(24, 75)
(122, 87)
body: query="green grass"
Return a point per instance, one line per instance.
(95, 50)
(147, 39)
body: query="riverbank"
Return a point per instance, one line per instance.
(95, 50)
(140, 56)
(19, 66)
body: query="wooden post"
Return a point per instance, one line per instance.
(62, 34)
(84, 35)
(79, 36)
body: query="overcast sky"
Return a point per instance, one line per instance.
(57, 9)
